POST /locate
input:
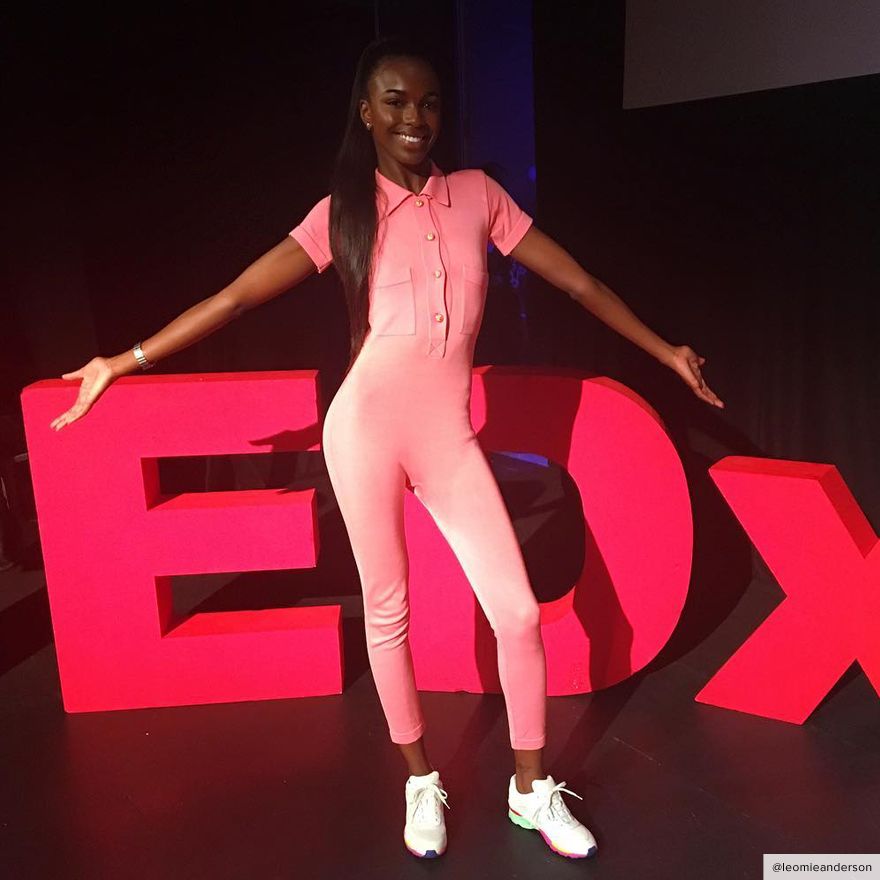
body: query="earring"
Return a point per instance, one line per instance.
(369, 126)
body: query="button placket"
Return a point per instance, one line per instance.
(438, 318)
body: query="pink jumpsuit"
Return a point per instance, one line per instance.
(403, 410)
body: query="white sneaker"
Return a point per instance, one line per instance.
(425, 830)
(543, 809)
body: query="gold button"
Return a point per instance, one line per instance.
(437, 273)
(438, 317)
(419, 203)
(430, 236)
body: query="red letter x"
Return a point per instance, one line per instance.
(810, 531)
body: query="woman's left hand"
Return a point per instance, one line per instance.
(686, 362)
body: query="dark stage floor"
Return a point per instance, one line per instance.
(313, 788)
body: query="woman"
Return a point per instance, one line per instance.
(410, 245)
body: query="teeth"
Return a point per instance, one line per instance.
(410, 139)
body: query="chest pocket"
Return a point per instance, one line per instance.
(472, 284)
(393, 305)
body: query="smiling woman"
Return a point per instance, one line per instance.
(410, 244)
(413, 118)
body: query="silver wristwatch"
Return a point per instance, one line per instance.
(141, 358)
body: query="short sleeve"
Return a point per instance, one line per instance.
(313, 233)
(508, 223)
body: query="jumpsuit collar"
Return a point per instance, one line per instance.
(436, 187)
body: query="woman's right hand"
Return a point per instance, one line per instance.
(96, 376)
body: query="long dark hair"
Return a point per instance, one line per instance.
(353, 188)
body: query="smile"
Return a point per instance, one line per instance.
(410, 139)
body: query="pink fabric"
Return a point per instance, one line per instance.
(403, 410)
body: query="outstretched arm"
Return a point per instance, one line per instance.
(277, 270)
(542, 255)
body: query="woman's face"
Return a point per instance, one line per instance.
(404, 109)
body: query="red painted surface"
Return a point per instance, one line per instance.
(810, 531)
(111, 543)
(628, 597)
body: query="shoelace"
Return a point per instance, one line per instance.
(556, 808)
(422, 801)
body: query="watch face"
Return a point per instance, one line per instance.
(140, 357)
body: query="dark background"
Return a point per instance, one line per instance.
(152, 153)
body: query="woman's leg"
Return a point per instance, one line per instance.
(369, 483)
(452, 478)
(529, 766)
(415, 757)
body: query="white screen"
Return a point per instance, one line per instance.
(681, 50)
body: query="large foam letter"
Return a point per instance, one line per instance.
(639, 537)
(810, 531)
(111, 542)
